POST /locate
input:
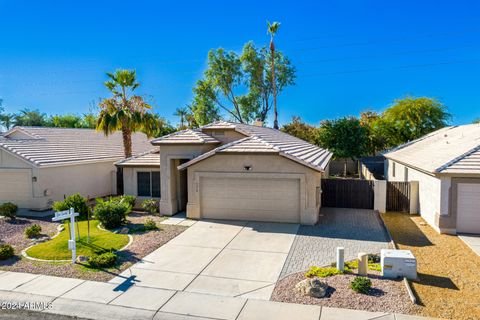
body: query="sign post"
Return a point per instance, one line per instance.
(62, 215)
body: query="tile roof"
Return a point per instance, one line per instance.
(188, 136)
(43, 146)
(449, 150)
(263, 139)
(148, 159)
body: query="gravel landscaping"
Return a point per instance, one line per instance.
(143, 244)
(449, 278)
(385, 295)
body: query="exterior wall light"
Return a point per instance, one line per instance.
(247, 168)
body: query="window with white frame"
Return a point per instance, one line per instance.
(148, 184)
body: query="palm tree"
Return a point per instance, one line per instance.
(182, 113)
(272, 29)
(125, 111)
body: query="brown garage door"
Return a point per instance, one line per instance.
(264, 199)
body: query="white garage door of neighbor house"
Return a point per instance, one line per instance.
(276, 200)
(468, 208)
(15, 186)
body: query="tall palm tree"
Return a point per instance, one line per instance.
(182, 113)
(125, 111)
(272, 29)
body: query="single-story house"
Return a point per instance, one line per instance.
(446, 163)
(40, 165)
(227, 170)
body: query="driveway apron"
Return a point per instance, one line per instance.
(227, 258)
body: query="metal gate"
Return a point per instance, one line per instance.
(347, 193)
(398, 196)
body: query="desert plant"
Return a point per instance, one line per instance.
(6, 251)
(33, 231)
(112, 213)
(128, 199)
(322, 272)
(75, 201)
(103, 260)
(361, 285)
(150, 205)
(150, 224)
(8, 210)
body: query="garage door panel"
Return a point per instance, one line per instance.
(250, 199)
(468, 208)
(15, 186)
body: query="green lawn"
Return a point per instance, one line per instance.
(100, 241)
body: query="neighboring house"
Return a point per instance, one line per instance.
(40, 165)
(227, 170)
(447, 165)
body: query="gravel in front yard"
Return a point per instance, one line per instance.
(385, 295)
(143, 244)
(449, 271)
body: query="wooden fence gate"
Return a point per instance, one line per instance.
(347, 193)
(398, 196)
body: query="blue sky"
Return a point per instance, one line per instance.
(350, 55)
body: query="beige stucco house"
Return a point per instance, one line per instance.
(227, 170)
(446, 163)
(40, 165)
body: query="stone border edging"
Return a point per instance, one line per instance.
(24, 251)
(411, 295)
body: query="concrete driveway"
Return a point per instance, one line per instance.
(227, 258)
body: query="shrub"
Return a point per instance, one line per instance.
(103, 260)
(75, 201)
(322, 272)
(6, 251)
(33, 231)
(112, 213)
(361, 285)
(150, 225)
(150, 205)
(128, 199)
(8, 210)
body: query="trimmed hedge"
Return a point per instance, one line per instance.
(75, 201)
(150, 205)
(112, 213)
(6, 251)
(8, 210)
(103, 260)
(33, 231)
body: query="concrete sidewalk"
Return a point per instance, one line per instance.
(100, 300)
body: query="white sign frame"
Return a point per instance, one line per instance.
(69, 214)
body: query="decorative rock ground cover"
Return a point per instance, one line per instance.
(385, 295)
(143, 243)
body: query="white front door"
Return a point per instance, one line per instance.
(468, 208)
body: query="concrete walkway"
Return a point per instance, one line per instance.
(100, 300)
(472, 240)
(227, 258)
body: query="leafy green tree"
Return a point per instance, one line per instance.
(182, 113)
(301, 130)
(344, 137)
(272, 30)
(239, 85)
(89, 120)
(65, 121)
(375, 141)
(163, 127)
(410, 118)
(476, 120)
(6, 119)
(27, 117)
(125, 111)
